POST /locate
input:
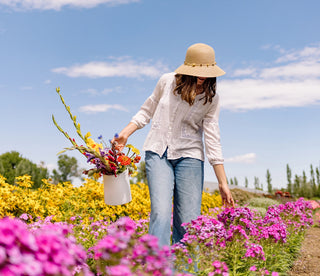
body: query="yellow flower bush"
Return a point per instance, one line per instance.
(87, 201)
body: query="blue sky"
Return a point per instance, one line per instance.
(107, 56)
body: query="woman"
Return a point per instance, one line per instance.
(183, 107)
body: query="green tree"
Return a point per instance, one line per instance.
(9, 161)
(289, 176)
(235, 181)
(67, 168)
(318, 180)
(12, 164)
(231, 181)
(313, 181)
(296, 185)
(304, 179)
(256, 183)
(246, 182)
(268, 176)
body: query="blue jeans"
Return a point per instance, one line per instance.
(181, 179)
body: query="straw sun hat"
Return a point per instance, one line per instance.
(200, 62)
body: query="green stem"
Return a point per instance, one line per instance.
(73, 118)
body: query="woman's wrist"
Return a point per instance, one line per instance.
(223, 183)
(128, 130)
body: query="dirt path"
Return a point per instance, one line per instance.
(308, 263)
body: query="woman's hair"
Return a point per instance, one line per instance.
(186, 87)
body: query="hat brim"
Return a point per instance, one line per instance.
(200, 71)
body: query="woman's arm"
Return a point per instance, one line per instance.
(225, 193)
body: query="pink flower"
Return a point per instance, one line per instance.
(118, 270)
(216, 264)
(24, 217)
(274, 274)
(253, 268)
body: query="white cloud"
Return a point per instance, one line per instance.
(297, 70)
(91, 109)
(245, 158)
(105, 91)
(245, 72)
(249, 94)
(120, 68)
(47, 81)
(309, 53)
(59, 4)
(294, 84)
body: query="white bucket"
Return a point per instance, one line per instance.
(117, 189)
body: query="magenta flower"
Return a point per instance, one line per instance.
(253, 268)
(47, 250)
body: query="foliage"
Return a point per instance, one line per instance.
(242, 196)
(246, 182)
(12, 164)
(268, 177)
(301, 186)
(261, 204)
(289, 175)
(106, 160)
(67, 168)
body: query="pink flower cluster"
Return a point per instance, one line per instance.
(243, 231)
(219, 268)
(48, 250)
(123, 252)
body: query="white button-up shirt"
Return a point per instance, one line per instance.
(178, 126)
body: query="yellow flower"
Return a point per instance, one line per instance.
(93, 145)
(24, 181)
(135, 150)
(96, 176)
(134, 174)
(87, 136)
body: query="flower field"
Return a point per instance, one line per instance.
(66, 230)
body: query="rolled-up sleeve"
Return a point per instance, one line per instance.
(148, 108)
(212, 133)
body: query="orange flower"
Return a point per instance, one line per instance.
(124, 160)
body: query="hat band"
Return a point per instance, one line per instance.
(194, 64)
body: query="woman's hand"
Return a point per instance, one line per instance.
(225, 193)
(226, 196)
(119, 141)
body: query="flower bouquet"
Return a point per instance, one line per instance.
(115, 166)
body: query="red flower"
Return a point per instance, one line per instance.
(137, 159)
